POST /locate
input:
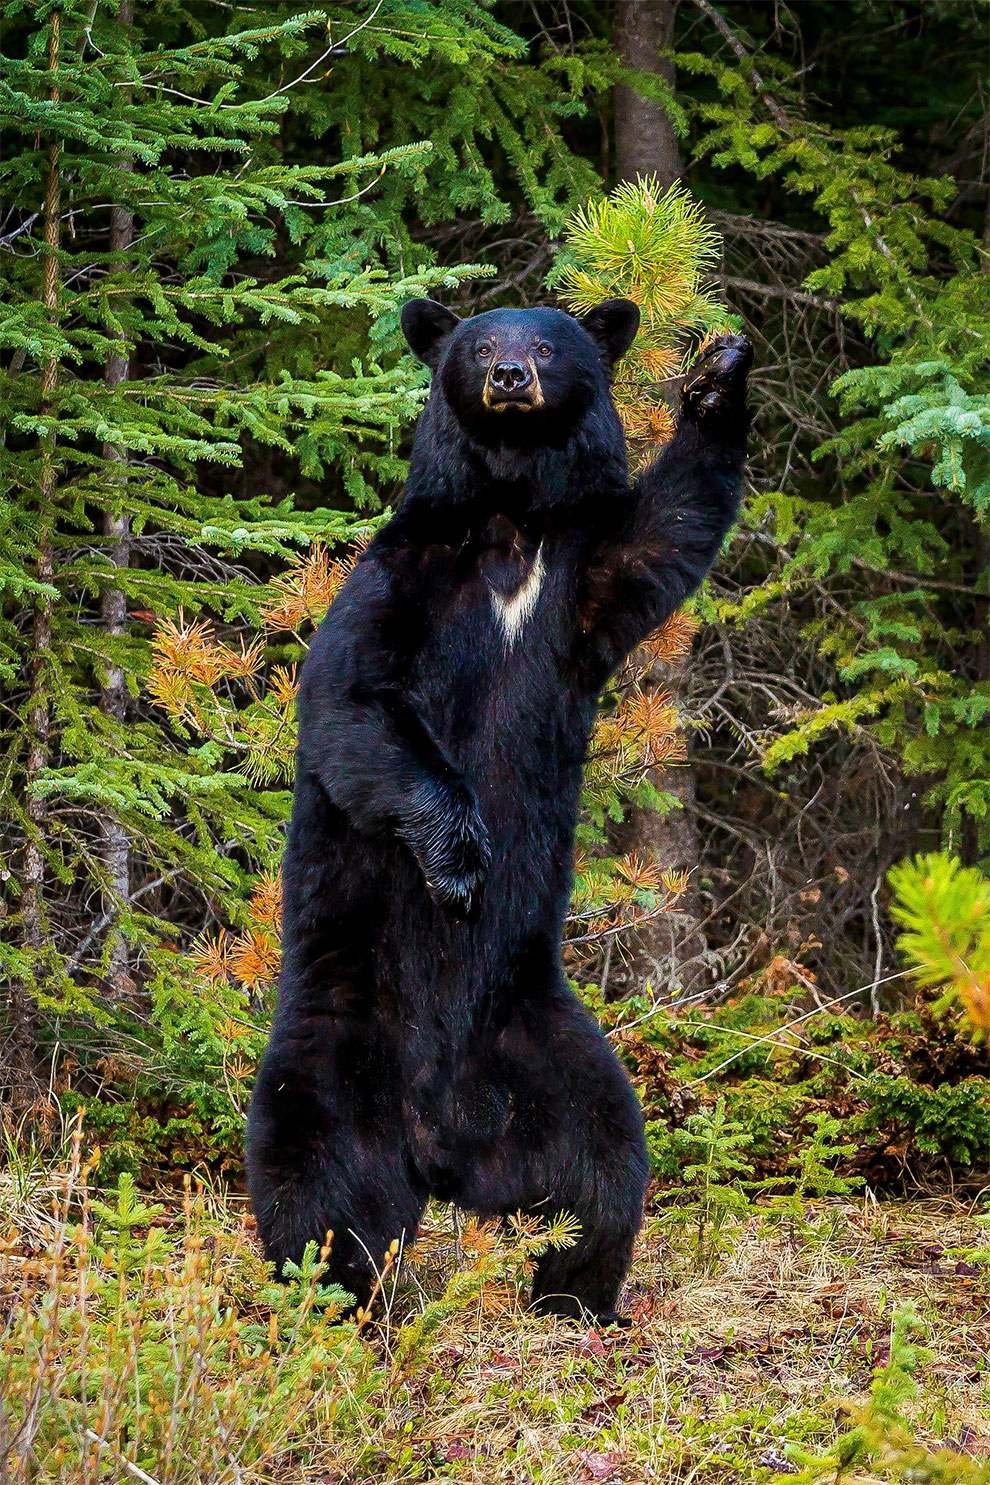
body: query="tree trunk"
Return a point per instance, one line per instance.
(645, 142)
(116, 844)
(666, 949)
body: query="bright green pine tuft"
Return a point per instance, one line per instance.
(943, 909)
(656, 248)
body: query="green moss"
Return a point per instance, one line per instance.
(952, 1121)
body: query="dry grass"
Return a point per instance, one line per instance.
(720, 1371)
(195, 1373)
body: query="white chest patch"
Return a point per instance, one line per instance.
(512, 613)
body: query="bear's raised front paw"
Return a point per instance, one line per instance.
(716, 383)
(447, 835)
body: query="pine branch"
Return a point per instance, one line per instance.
(39, 720)
(787, 128)
(113, 601)
(726, 32)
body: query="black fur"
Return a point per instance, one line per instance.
(425, 1040)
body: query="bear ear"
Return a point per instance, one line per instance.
(426, 325)
(613, 325)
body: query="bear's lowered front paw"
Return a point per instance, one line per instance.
(447, 835)
(716, 383)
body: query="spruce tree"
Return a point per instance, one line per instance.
(904, 513)
(212, 233)
(143, 152)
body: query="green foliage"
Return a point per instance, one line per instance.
(708, 1158)
(464, 80)
(816, 1159)
(943, 909)
(495, 1262)
(950, 1122)
(653, 246)
(206, 261)
(816, 1175)
(134, 1356)
(896, 1097)
(155, 1341)
(131, 393)
(979, 1253)
(882, 1435)
(926, 410)
(910, 460)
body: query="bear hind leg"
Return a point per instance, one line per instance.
(604, 1191)
(573, 1142)
(327, 1152)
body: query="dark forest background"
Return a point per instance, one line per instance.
(212, 221)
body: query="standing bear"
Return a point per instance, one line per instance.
(425, 1041)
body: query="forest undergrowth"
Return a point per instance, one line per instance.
(765, 1342)
(809, 1299)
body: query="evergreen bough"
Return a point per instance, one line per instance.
(212, 237)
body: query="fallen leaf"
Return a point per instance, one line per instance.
(601, 1466)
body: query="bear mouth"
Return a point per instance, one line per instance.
(499, 400)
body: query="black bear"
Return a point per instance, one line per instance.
(426, 1041)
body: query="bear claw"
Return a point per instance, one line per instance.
(717, 381)
(449, 840)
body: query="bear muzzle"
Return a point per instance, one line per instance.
(513, 386)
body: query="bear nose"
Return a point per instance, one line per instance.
(510, 376)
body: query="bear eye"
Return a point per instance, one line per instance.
(484, 351)
(543, 349)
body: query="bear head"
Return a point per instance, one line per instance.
(520, 377)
